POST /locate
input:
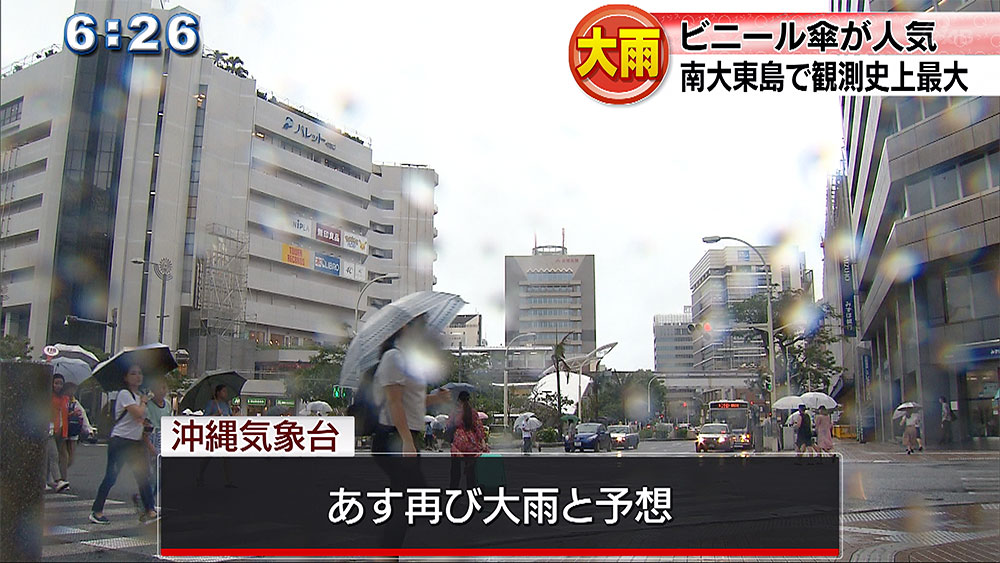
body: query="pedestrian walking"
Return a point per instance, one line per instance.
(400, 391)
(157, 408)
(77, 424)
(909, 423)
(803, 431)
(429, 442)
(126, 447)
(217, 406)
(918, 423)
(54, 469)
(824, 431)
(469, 441)
(947, 416)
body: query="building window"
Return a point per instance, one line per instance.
(908, 112)
(11, 111)
(381, 252)
(935, 105)
(974, 176)
(985, 300)
(386, 204)
(544, 277)
(945, 186)
(375, 275)
(994, 158)
(958, 297)
(380, 228)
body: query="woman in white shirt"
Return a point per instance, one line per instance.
(126, 446)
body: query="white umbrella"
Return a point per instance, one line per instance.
(904, 409)
(77, 353)
(815, 400)
(72, 370)
(532, 424)
(440, 422)
(320, 407)
(429, 418)
(522, 418)
(789, 402)
(366, 347)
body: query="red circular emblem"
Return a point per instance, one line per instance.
(618, 54)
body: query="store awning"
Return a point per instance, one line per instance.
(264, 388)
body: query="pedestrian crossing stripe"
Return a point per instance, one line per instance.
(78, 503)
(120, 543)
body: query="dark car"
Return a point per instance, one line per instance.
(623, 437)
(590, 436)
(714, 436)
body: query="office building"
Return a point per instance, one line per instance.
(727, 276)
(923, 189)
(551, 293)
(466, 331)
(673, 343)
(263, 221)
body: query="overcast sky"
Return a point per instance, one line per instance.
(483, 94)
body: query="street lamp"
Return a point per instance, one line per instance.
(112, 324)
(357, 308)
(649, 396)
(598, 354)
(162, 270)
(506, 350)
(770, 319)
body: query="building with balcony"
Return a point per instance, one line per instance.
(264, 220)
(551, 293)
(922, 180)
(673, 343)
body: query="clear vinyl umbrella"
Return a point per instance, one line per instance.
(815, 400)
(379, 326)
(904, 409)
(787, 402)
(72, 370)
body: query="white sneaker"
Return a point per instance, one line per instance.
(48, 488)
(61, 486)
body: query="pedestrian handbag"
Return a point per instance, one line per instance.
(490, 472)
(74, 423)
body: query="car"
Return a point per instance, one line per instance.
(714, 436)
(590, 436)
(623, 437)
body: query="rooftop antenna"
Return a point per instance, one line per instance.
(536, 240)
(564, 237)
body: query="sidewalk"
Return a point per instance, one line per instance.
(883, 452)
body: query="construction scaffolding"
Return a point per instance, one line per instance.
(221, 283)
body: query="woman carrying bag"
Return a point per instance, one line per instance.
(469, 441)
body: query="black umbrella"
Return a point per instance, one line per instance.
(155, 360)
(203, 390)
(457, 388)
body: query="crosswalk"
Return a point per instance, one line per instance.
(979, 482)
(69, 534)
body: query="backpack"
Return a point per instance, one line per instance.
(363, 409)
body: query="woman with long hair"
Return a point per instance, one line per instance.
(469, 441)
(126, 446)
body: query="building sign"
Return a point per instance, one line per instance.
(298, 225)
(866, 374)
(330, 235)
(847, 298)
(355, 242)
(743, 255)
(285, 402)
(294, 255)
(347, 269)
(256, 402)
(326, 264)
(360, 272)
(302, 130)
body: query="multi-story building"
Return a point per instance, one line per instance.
(673, 343)
(551, 293)
(923, 185)
(727, 276)
(263, 221)
(466, 331)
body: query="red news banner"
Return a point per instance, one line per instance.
(619, 54)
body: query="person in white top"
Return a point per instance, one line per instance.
(126, 446)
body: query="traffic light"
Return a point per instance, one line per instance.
(696, 328)
(339, 392)
(684, 404)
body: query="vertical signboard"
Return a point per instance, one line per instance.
(847, 298)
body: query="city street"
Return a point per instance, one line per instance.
(929, 506)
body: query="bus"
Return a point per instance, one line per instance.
(735, 413)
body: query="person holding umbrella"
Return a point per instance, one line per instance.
(126, 446)
(803, 431)
(218, 406)
(77, 425)
(55, 448)
(910, 423)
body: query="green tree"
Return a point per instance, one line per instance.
(316, 381)
(15, 347)
(546, 408)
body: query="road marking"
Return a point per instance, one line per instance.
(120, 543)
(78, 503)
(991, 506)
